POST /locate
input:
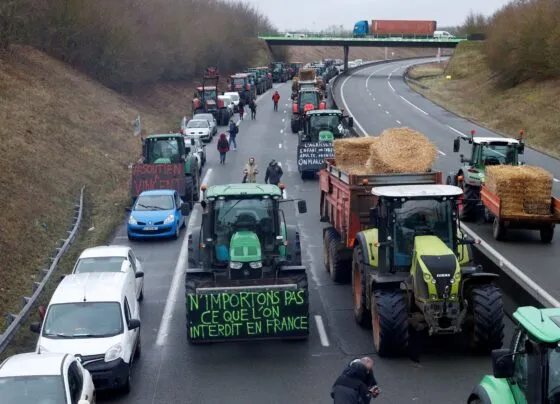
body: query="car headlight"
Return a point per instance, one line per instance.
(256, 264)
(113, 353)
(235, 265)
(132, 220)
(169, 219)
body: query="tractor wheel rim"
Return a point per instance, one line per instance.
(357, 289)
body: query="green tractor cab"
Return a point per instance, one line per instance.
(414, 268)
(167, 164)
(245, 278)
(485, 151)
(528, 372)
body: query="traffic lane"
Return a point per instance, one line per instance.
(522, 258)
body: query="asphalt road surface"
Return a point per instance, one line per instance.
(379, 98)
(172, 371)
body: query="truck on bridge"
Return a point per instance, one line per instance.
(387, 28)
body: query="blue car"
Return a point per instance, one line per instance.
(157, 213)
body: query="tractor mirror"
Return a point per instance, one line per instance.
(351, 122)
(373, 216)
(502, 363)
(521, 148)
(302, 206)
(456, 145)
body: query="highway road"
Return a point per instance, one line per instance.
(379, 98)
(172, 371)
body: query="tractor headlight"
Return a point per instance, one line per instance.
(256, 264)
(235, 265)
(132, 220)
(169, 219)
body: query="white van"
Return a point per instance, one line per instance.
(234, 99)
(443, 35)
(96, 317)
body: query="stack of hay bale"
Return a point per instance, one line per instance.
(523, 190)
(396, 150)
(307, 74)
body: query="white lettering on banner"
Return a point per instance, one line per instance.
(314, 154)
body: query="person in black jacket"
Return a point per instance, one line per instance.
(273, 173)
(357, 383)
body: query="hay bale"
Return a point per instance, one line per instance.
(352, 153)
(401, 150)
(307, 74)
(523, 190)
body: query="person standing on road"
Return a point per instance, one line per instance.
(273, 173)
(233, 131)
(223, 147)
(275, 99)
(357, 383)
(253, 108)
(241, 109)
(250, 172)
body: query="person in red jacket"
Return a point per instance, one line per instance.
(223, 147)
(275, 99)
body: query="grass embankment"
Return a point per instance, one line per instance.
(472, 93)
(313, 53)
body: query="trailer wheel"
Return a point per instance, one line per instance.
(389, 316)
(328, 235)
(468, 213)
(362, 314)
(338, 267)
(488, 312)
(499, 231)
(547, 234)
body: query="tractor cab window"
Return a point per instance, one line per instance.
(209, 94)
(239, 82)
(520, 364)
(419, 218)
(319, 123)
(554, 375)
(255, 214)
(496, 154)
(308, 97)
(163, 151)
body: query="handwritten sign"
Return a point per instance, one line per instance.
(311, 156)
(248, 315)
(158, 176)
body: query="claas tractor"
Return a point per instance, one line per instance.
(485, 151)
(325, 125)
(528, 371)
(307, 99)
(412, 268)
(206, 97)
(244, 277)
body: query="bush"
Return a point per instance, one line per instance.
(126, 43)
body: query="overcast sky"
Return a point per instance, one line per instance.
(290, 15)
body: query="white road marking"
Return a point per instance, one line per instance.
(379, 105)
(322, 331)
(279, 145)
(442, 153)
(346, 105)
(367, 80)
(387, 112)
(556, 180)
(389, 83)
(176, 283)
(457, 131)
(399, 122)
(281, 130)
(373, 98)
(419, 109)
(121, 238)
(283, 119)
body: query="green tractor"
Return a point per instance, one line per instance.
(528, 372)
(414, 268)
(167, 164)
(259, 79)
(486, 151)
(244, 277)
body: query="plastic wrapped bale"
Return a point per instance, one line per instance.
(523, 190)
(306, 74)
(352, 154)
(401, 150)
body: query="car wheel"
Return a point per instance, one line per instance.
(126, 386)
(131, 237)
(141, 297)
(177, 230)
(138, 351)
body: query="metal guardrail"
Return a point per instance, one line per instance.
(16, 320)
(272, 36)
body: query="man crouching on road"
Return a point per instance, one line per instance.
(357, 383)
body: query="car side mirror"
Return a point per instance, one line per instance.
(35, 327)
(139, 274)
(456, 145)
(133, 324)
(302, 206)
(373, 216)
(185, 209)
(502, 363)
(351, 122)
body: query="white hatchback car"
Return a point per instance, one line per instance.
(46, 378)
(112, 258)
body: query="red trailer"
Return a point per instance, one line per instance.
(403, 27)
(346, 200)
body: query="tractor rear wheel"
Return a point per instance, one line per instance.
(362, 314)
(471, 195)
(488, 312)
(338, 266)
(389, 316)
(189, 190)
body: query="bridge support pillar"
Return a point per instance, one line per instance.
(346, 49)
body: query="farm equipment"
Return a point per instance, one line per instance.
(279, 72)
(244, 277)
(206, 97)
(256, 83)
(240, 82)
(527, 371)
(486, 151)
(166, 164)
(306, 100)
(396, 238)
(260, 79)
(296, 66)
(267, 75)
(320, 128)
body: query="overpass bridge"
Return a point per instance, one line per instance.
(368, 41)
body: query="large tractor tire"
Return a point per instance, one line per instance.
(189, 191)
(339, 266)
(328, 235)
(295, 125)
(362, 313)
(488, 313)
(389, 316)
(468, 213)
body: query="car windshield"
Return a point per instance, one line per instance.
(234, 97)
(99, 264)
(83, 320)
(154, 202)
(32, 390)
(198, 124)
(420, 217)
(164, 150)
(254, 214)
(494, 154)
(239, 82)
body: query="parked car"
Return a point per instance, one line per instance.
(235, 99)
(112, 258)
(56, 378)
(157, 213)
(198, 148)
(200, 128)
(210, 118)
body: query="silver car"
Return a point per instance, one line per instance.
(210, 118)
(198, 148)
(199, 128)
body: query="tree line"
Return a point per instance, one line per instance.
(124, 43)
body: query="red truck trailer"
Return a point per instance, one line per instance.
(402, 27)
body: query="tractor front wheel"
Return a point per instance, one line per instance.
(362, 314)
(488, 313)
(471, 196)
(389, 316)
